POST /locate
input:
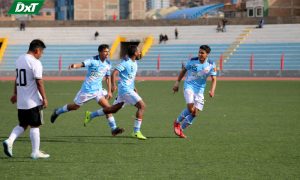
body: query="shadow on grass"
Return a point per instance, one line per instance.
(94, 139)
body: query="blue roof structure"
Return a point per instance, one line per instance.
(193, 13)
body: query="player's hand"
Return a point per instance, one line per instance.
(13, 99)
(109, 96)
(211, 94)
(45, 103)
(176, 87)
(113, 88)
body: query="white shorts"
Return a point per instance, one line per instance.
(196, 99)
(83, 97)
(129, 98)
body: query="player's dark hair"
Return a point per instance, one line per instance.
(206, 48)
(102, 47)
(35, 44)
(131, 50)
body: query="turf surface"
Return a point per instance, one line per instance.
(250, 130)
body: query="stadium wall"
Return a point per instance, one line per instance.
(209, 21)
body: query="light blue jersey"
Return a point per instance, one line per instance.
(96, 72)
(127, 72)
(197, 74)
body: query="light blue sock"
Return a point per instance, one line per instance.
(62, 110)
(182, 115)
(137, 125)
(97, 113)
(112, 123)
(188, 121)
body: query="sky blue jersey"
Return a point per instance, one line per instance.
(96, 72)
(127, 72)
(197, 74)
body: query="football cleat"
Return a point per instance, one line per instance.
(139, 135)
(181, 135)
(40, 155)
(177, 130)
(8, 148)
(87, 118)
(54, 116)
(117, 131)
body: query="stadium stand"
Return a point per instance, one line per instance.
(74, 44)
(267, 46)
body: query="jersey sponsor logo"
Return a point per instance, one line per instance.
(26, 7)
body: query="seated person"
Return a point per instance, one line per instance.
(219, 27)
(261, 23)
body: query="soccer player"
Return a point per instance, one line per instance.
(127, 93)
(30, 95)
(98, 68)
(198, 69)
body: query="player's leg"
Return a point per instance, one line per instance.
(117, 105)
(63, 109)
(134, 99)
(189, 99)
(103, 102)
(115, 130)
(188, 120)
(35, 120)
(185, 112)
(139, 119)
(194, 108)
(16, 132)
(79, 100)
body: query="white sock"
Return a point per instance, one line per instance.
(16, 132)
(112, 123)
(35, 139)
(137, 125)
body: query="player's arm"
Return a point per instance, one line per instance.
(114, 75)
(213, 86)
(41, 88)
(181, 75)
(76, 66)
(13, 98)
(108, 83)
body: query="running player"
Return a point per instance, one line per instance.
(127, 93)
(98, 68)
(198, 69)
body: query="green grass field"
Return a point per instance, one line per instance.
(250, 130)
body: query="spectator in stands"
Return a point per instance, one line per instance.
(219, 26)
(176, 33)
(224, 22)
(161, 38)
(165, 38)
(261, 23)
(96, 35)
(22, 26)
